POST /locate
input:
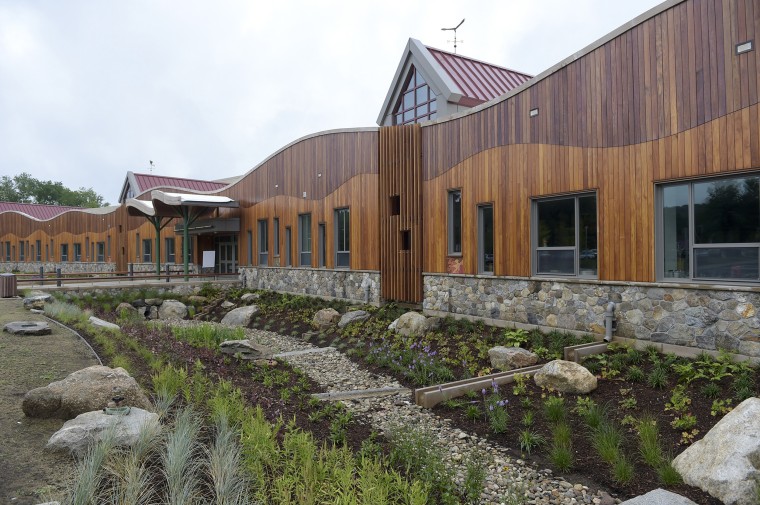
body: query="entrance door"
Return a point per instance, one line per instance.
(226, 253)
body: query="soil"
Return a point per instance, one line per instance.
(30, 474)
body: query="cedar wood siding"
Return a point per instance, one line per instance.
(667, 99)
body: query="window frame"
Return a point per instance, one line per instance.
(691, 277)
(64, 253)
(451, 240)
(342, 227)
(170, 250)
(481, 239)
(77, 251)
(262, 242)
(276, 237)
(322, 246)
(147, 250)
(100, 252)
(576, 249)
(304, 226)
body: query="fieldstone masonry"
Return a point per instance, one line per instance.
(357, 285)
(701, 317)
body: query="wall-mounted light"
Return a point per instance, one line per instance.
(304, 194)
(319, 175)
(533, 112)
(745, 47)
(276, 186)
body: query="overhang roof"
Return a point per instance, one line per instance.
(164, 204)
(458, 79)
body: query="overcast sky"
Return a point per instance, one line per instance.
(90, 89)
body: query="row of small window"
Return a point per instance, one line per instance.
(708, 230)
(97, 250)
(341, 241)
(144, 251)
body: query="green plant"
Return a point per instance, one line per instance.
(710, 390)
(529, 440)
(668, 475)
(496, 412)
(472, 412)
(720, 407)
(474, 478)
(515, 337)
(526, 402)
(339, 427)
(560, 452)
(520, 384)
(649, 441)
(679, 401)
(635, 374)
(183, 476)
(684, 422)
(628, 403)
(527, 419)
(658, 377)
(607, 440)
(554, 409)
(622, 470)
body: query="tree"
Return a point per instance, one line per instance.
(24, 188)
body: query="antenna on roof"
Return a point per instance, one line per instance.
(455, 34)
(151, 166)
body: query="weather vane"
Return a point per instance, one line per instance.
(151, 166)
(455, 34)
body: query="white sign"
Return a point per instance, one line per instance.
(209, 259)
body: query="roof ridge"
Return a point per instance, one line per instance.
(174, 177)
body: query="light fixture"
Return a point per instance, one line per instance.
(533, 112)
(304, 194)
(745, 47)
(319, 175)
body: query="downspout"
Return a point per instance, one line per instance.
(609, 321)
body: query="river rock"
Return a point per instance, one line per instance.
(410, 324)
(509, 358)
(125, 307)
(724, 463)
(242, 316)
(249, 298)
(96, 321)
(83, 391)
(353, 317)
(37, 301)
(197, 299)
(172, 309)
(566, 377)
(154, 301)
(659, 497)
(325, 318)
(246, 349)
(79, 433)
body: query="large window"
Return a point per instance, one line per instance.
(78, 252)
(342, 235)
(455, 222)
(147, 250)
(304, 240)
(321, 236)
(21, 251)
(565, 239)
(416, 102)
(64, 252)
(101, 252)
(8, 251)
(288, 246)
(170, 250)
(263, 240)
(485, 239)
(38, 250)
(276, 237)
(710, 229)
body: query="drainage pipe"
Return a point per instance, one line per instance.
(609, 321)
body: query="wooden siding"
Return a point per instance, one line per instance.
(401, 175)
(668, 99)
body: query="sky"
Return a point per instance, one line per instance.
(91, 89)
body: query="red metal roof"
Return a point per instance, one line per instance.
(149, 181)
(35, 210)
(478, 80)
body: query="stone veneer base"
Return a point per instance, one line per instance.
(703, 317)
(355, 285)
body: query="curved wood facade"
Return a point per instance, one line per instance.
(664, 99)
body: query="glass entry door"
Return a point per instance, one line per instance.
(226, 254)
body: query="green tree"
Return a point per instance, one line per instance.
(24, 188)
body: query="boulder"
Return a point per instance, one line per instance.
(724, 463)
(226, 304)
(95, 321)
(151, 312)
(154, 301)
(246, 349)
(353, 317)
(37, 301)
(27, 328)
(325, 318)
(83, 391)
(410, 324)
(125, 307)
(79, 433)
(172, 309)
(659, 497)
(242, 316)
(566, 377)
(138, 303)
(249, 297)
(508, 358)
(197, 299)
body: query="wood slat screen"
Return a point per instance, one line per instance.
(400, 202)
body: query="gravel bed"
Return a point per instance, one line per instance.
(508, 480)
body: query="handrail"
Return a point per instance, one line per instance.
(60, 278)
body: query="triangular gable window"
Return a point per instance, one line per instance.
(417, 101)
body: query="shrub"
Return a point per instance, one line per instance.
(554, 409)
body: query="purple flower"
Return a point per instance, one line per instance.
(483, 391)
(490, 407)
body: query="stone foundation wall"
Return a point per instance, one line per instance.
(706, 317)
(67, 267)
(355, 285)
